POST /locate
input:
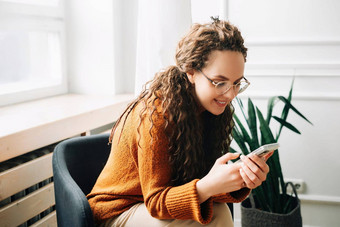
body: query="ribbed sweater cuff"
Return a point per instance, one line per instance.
(183, 203)
(240, 195)
(232, 197)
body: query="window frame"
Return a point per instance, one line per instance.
(30, 17)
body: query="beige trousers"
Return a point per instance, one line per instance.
(138, 215)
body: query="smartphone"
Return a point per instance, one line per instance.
(265, 149)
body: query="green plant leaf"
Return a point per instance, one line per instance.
(245, 134)
(290, 94)
(287, 124)
(285, 110)
(290, 106)
(252, 122)
(261, 199)
(270, 107)
(232, 150)
(240, 141)
(264, 127)
(276, 173)
(271, 195)
(240, 104)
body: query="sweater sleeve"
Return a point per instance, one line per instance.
(232, 197)
(162, 200)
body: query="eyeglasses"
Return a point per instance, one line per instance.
(222, 87)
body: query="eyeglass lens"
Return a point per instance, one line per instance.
(237, 88)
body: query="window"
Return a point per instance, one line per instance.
(31, 50)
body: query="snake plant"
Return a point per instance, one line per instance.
(256, 131)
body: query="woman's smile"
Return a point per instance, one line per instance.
(221, 103)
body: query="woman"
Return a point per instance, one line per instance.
(168, 164)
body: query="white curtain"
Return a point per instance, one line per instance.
(161, 24)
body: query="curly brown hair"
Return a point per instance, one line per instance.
(194, 144)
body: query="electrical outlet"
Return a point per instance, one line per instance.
(299, 184)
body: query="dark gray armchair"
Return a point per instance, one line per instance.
(77, 163)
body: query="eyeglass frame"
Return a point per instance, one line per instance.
(217, 83)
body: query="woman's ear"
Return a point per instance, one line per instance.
(191, 75)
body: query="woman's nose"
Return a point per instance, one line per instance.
(230, 94)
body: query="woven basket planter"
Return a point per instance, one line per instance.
(253, 217)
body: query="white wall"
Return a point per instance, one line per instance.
(299, 39)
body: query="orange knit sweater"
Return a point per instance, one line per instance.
(135, 174)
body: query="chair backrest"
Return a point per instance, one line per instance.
(77, 163)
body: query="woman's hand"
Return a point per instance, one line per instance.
(254, 169)
(222, 178)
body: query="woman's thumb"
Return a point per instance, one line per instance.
(227, 157)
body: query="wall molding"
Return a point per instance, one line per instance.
(278, 74)
(309, 65)
(320, 199)
(312, 74)
(291, 75)
(324, 96)
(290, 41)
